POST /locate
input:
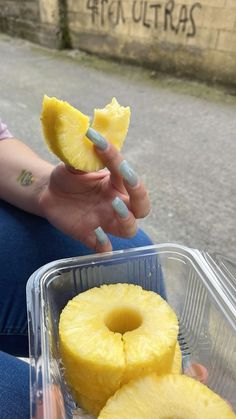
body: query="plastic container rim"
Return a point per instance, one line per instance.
(196, 256)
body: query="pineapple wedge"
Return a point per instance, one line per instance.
(112, 334)
(166, 397)
(65, 129)
(95, 406)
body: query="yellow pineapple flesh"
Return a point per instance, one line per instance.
(166, 397)
(93, 357)
(65, 129)
(177, 361)
(150, 347)
(111, 334)
(94, 406)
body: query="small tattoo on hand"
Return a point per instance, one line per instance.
(25, 178)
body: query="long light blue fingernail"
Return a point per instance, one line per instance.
(101, 235)
(128, 173)
(186, 362)
(120, 207)
(97, 139)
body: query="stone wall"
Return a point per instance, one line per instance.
(36, 20)
(184, 36)
(196, 38)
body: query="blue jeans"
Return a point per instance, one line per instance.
(26, 243)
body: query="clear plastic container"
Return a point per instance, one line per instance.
(201, 288)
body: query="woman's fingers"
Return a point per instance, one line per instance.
(126, 222)
(103, 243)
(125, 180)
(122, 172)
(110, 157)
(57, 408)
(71, 181)
(139, 200)
(197, 371)
(123, 225)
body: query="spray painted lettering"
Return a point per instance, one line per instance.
(177, 18)
(105, 10)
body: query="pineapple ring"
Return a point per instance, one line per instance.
(95, 406)
(177, 362)
(166, 397)
(112, 334)
(65, 129)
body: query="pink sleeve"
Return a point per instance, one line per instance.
(4, 133)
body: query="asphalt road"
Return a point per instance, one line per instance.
(181, 139)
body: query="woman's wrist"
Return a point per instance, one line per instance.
(30, 184)
(23, 175)
(41, 182)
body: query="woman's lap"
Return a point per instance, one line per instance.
(14, 388)
(26, 243)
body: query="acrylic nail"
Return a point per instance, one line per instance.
(186, 362)
(128, 173)
(97, 139)
(101, 235)
(120, 207)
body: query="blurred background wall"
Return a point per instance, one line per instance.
(193, 38)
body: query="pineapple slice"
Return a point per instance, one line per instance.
(65, 129)
(95, 406)
(111, 334)
(166, 397)
(90, 405)
(177, 362)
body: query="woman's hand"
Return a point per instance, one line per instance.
(86, 206)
